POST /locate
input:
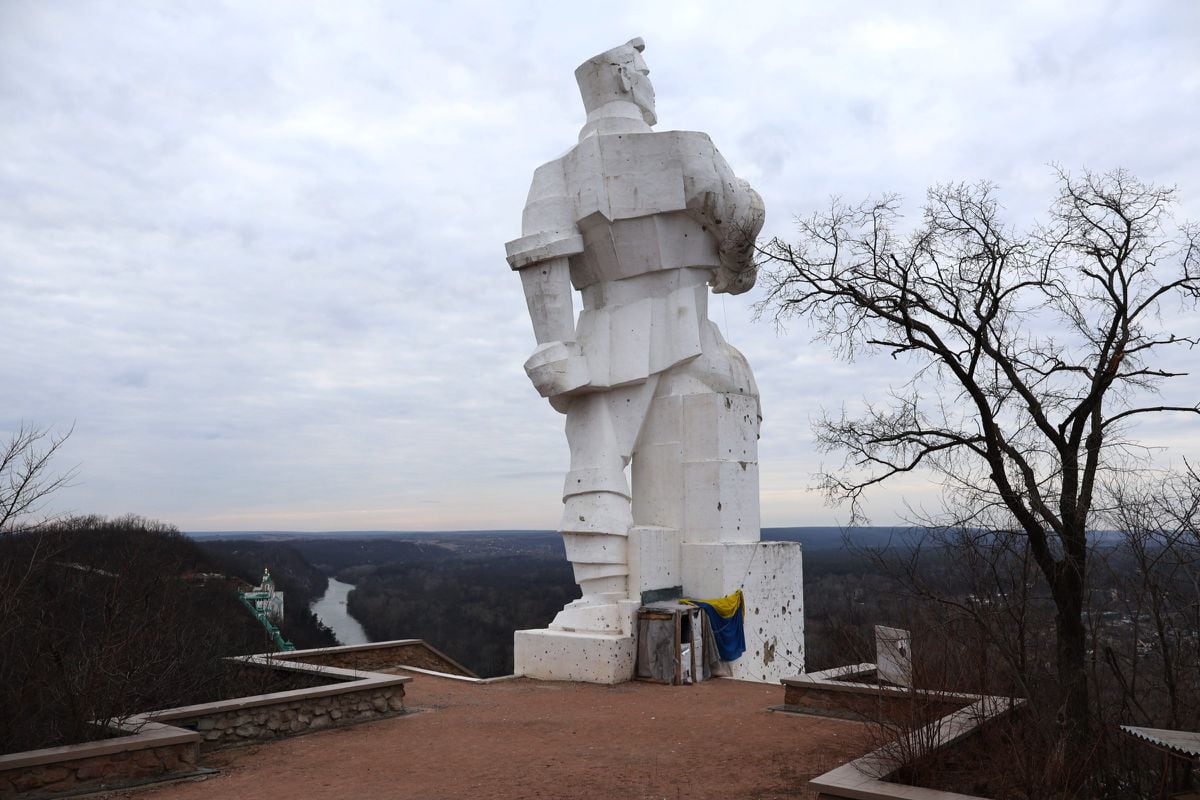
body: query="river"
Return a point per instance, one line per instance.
(331, 609)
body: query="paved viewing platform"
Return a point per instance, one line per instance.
(533, 739)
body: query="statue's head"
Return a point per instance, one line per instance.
(618, 74)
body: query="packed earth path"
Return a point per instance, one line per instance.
(533, 739)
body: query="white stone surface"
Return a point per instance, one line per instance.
(653, 559)
(567, 656)
(893, 655)
(641, 224)
(611, 613)
(771, 577)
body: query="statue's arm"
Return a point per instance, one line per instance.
(541, 255)
(541, 261)
(738, 270)
(736, 213)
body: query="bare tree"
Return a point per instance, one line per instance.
(1031, 353)
(26, 480)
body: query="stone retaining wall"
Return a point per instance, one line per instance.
(860, 701)
(165, 744)
(152, 753)
(954, 717)
(383, 655)
(866, 778)
(343, 697)
(229, 728)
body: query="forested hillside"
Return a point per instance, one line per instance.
(467, 606)
(100, 619)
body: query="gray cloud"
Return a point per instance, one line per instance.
(254, 250)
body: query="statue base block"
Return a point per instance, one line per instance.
(551, 655)
(770, 575)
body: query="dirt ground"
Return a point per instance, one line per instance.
(530, 739)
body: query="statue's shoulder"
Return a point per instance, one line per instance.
(653, 142)
(604, 148)
(623, 175)
(690, 154)
(688, 138)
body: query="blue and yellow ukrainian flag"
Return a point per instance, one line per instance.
(726, 616)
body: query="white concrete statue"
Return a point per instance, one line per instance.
(642, 224)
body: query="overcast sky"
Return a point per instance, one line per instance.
(254, 251)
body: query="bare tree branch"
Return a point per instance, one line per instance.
(25, 477)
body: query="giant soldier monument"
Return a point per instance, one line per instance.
(642, 224)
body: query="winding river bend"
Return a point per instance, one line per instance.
(331, 609)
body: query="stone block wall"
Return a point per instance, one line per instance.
(383, 655)
(872, 703)
(867, 777)
(166, 743)
(241, 726)
(120, 761)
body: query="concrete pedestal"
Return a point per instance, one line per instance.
(770, 575)
(550, 655)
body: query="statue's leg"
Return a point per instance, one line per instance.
(601, 431)
(696, 466)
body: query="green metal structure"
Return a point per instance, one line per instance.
(250, 601)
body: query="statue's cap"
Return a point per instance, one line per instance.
(596, 77)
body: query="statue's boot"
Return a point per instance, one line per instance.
(595, 530)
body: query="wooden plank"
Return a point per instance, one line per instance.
(678, 653)
(692, 648)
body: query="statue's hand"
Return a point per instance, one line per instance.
(733, 279)
(736, 246)
(557, 368)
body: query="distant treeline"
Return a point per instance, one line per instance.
(466, 593)
(331, 556)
